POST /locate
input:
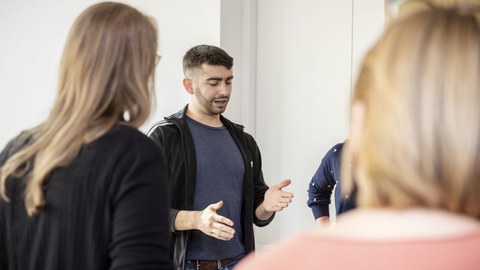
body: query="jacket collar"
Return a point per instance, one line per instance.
(181, 117)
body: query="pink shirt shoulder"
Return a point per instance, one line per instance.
(315, 251)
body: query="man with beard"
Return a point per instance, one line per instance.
(215, 176)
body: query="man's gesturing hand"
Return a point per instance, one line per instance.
(212, 224)
(276, 199)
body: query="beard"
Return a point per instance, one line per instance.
(213, 106)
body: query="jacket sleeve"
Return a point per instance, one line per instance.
(259, 183)
(157, 136)
(321, 186)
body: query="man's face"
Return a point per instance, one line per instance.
(212, 86)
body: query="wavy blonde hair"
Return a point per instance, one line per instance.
(420, 142)
(107, 71)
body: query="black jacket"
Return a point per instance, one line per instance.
(174, 137)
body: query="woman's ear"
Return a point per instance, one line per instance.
(357, 125)
(188, 84)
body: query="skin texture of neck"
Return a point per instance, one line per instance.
(202, 117)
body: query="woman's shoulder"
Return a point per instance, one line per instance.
(124, 141)
(315, 250)
(20, 141)
(128, 136)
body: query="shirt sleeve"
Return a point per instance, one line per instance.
(322, 184)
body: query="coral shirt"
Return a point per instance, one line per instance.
(314, 251)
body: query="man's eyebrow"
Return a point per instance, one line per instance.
(219, 78)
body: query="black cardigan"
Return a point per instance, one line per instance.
(105, 210)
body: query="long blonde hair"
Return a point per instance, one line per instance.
(107, 71)
(420, 87)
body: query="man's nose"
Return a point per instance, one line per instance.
(223, 89)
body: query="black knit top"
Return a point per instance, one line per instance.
(105, 210)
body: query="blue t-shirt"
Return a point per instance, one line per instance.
(220, 177)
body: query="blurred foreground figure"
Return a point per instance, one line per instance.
(414, 149)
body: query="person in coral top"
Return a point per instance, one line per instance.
(414, 148)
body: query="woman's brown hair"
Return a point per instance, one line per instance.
(106, 78)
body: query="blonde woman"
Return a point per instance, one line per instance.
(85, 189)
(415, 147)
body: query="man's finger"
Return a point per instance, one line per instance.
(224, 220)
(277, 208)
(282, 184)
(285, 200)
(223, 228)
(216, 206)
(222, 235)
(284, 205)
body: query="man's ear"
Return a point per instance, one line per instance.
(188, 84)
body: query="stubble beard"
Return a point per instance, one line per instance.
(214, 109)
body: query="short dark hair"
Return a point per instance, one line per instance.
(206, 54)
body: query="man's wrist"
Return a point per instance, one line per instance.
(262, 213)
(186, 220)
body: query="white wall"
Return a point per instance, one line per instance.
(307, 54)
(239, 38)
(33, 35)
